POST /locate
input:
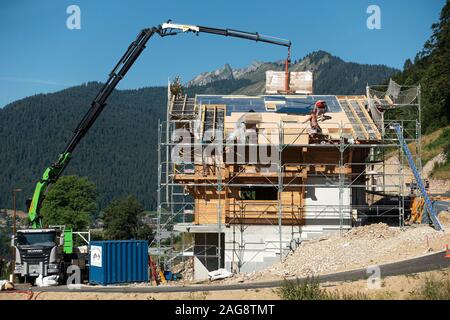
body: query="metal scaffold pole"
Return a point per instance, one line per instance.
(343, 170)
(280, 189)
(218, 164)
(341, 179)
(400, 183)
(419, 130)
(158, 191)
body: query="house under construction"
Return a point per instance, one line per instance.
(247, 178)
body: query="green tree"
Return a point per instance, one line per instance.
(408, 64)
(5, 241)
(126, 163)
(431, 69)
(123, 220)
(72, 202)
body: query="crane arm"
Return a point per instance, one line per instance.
(52, 173)
(173, 27)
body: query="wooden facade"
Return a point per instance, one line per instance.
(236, 190)
(220, 195)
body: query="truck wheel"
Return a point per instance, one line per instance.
(20, 279)
(62, 273)
(30, 280)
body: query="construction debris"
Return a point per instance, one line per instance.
(358, 248)
(185, 268)
(6, 285)
(46, 281)
(373, 231)
(219, 274)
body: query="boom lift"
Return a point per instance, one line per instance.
(41, 243)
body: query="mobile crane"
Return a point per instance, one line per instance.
(48, 251)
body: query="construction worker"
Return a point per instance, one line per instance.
(317, 114)
(320, 107)
(176, 88)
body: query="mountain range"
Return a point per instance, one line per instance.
(120, 152)
(332, 75)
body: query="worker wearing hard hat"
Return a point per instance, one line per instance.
(317, 114)
(320, 107)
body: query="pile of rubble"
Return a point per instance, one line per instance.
(6, 285)
(357, 248)
(185, 268)
(444, 218)
(372, 231)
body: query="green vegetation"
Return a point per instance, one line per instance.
(302, 290)
(119, 154)
(4, 272)
(432, 288)
(72, 201)
(441, 171)
(441, 145)
(432, 145)
(124, 220)
(5, 237)
(435, 143)
(332, 75)
(429, 288)
(310, 290)
(431, 69)
(177, 241)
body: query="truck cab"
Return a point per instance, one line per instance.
(38, 251)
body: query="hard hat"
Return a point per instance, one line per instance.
(321, 104)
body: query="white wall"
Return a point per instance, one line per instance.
(260, 246)
(261, 243)
(322, 203)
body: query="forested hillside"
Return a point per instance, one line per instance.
(332, 75)
(431, 68)
(119, 154)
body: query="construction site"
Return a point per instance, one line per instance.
(265, 187)
(247, 179)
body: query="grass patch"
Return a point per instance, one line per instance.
(441, 171)
(441, 145)
(302, 290)
(432, 288)
(309, 289)
(433, 144)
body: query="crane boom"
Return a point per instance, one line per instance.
(255, 36)
(52, 173)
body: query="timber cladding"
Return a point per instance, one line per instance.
(244, 205)
(248, 193)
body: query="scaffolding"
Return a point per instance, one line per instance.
(371, 170)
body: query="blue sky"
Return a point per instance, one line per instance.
(39, 54)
